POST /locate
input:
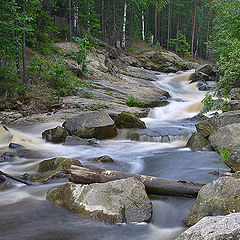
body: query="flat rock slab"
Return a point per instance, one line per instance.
(120, 201)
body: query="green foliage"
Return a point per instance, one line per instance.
(224, 154)
(225, 46)
(134, 102)
(88, 94)
(10, 84)
(180, 44)
(158, 47)
(54, 74)
(84, 47)
(131, 49)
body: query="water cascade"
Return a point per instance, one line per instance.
(158, 151)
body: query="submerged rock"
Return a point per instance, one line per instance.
(97, 124)
(127, 120)
(75, 140)
(197, 142)
(58, 164)
(219, 197)
(217, 228)
(117, 201)
(55, 135)
(104, 159)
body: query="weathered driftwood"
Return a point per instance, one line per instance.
(154, 185)
(15, 178)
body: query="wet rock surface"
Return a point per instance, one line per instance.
(117, 201)
(55, 135)
(127, 120)
(75, 140)
(58, 164)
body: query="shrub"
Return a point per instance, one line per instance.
(134, 102)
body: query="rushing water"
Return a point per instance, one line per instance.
(160, 151)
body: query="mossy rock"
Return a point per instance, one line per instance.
(58, 164)
(55, 135)
(197, 142)
(127, 120)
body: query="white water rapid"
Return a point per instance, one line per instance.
(159, 151)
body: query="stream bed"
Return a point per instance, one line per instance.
(160, 152)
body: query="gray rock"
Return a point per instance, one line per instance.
(232, 105)
(197, 142)
(204, 69)
(210, 125)
(127, 120)
(97, 124)
(58, 164)
(226, 137)
(117, 201)
(55, 135)
(104, 159)
(219, 197)
(75, 140)
(214, 228)
(15, 146)
(235, 94)
(233, 160)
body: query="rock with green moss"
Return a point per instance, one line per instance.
(211, 125)
(120, 201)
(58, 164)
(55, 135)
(96, 124)
(127, 120)
(104, 159)
(219, 197)
(233, 161)
(197, 142)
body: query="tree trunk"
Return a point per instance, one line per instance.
(124, 25)
(17, 50)
(24, 46)
(169, 25)
(154, 185)
(143, 27)
(155, 24)
(103, 24)
(194, 26)
(208, 30)
(70, 19)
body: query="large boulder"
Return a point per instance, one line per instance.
(214, 228)
(96, 124)
(117, 201)
(209, 126)
(127, 120)
(219, 197)
(55, 135)
(197, 142)
(233, 161)
(205, 69)
(226, 137)
(57, 164)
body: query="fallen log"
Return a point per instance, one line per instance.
(14, 178)
(153, 185)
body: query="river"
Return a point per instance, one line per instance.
(160, 151)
